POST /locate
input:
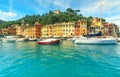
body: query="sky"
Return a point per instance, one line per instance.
(16, 9)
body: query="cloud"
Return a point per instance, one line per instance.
(62, 3)
(90, 8)
(107, 5)
(110, 10)
(7, 15)
(58, 3)
(114, 19)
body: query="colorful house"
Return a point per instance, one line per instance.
(58, 30)
(44, 32)
(11, 30)
(55, 30)
(33, 32)
(49, 30)
(96, 26)
(110, 29)
(67, 29)
(57, 12)
(0, 31)
(4, 31)
(19, 30)
(80, 28)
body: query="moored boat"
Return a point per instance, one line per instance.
(32, 39)
(21, 39)
(49, 41)
(72, 39)
(9, 39)
(91, 38)
(98, 41)
(118, 39)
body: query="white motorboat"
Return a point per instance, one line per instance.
(32, 39)
(99, 41)
(21, 39)
(118, 39)
(9, 39)
(72, 39)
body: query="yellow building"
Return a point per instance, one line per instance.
(4, 31)
(57, 12)
(33, 32)
(96, 25)
(19, 30)
(68, 29)
(60, 30)
(27, 32)
(49, 30)
(54, 30)
(44, 31)
(30, 32)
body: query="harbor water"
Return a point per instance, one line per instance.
(28, 59)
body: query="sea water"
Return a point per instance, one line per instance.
(28, 59)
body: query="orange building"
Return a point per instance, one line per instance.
(4, 31)
(33, 32)
(11, 31)
(80, 28)
(0, 31)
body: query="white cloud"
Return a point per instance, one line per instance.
(62, 3)
(107, 5)
(59, 3)
(114, 19)
(90, 8)
(110, 10)
(7, 15)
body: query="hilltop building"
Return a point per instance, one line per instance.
(57, 12)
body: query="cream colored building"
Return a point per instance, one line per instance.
(68, 29)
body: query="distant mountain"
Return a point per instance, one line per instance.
(1, 21)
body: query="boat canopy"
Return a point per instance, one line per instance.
(93, 35)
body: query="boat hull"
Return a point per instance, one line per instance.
(96, 41)
(8, 41)
(51, 42)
